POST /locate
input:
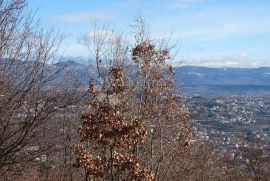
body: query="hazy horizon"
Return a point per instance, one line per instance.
(85, 60)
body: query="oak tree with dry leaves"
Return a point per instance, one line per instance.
(135, 120)
(112, 131)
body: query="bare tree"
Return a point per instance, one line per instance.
(96, 42)
(29, 97)
(251, 161)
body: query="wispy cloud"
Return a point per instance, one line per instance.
(210, 32)
(242, 60)
(224, 30)
(73, 49)
(79, 17)
(184, 4)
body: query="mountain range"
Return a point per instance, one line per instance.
(190, 75)
(194, 75)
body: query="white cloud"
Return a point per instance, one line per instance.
(184, 4)
(79, 17)
(101, 33)
(227, 61)
(225, 30)
(74, 49)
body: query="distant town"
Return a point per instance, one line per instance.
(231, 121)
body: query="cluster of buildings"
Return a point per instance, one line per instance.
(231, 121)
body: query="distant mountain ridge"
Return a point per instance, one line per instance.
(193, 75)
(184, 76)
(192, 80)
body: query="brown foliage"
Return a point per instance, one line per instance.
(135, 117)
(113, 131)
(161, 106)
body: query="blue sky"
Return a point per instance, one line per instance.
(214, 33)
